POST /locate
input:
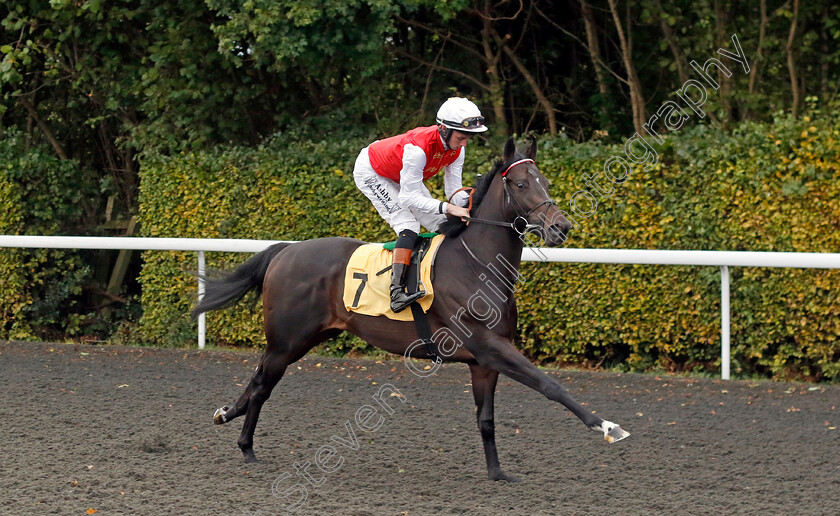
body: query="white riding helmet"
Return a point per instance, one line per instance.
(461, 115)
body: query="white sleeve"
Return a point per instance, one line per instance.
(413, 194)
(452, 180)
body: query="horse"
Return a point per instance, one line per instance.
(301, 285)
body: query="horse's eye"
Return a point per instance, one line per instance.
(520, 184)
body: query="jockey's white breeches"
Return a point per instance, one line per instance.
(384, 194)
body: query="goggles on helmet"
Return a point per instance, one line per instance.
(467, 123)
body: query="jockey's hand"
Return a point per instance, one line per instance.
(457, 211)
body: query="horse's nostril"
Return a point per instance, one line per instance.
(560, 230)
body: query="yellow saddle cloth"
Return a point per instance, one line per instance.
(367, 281)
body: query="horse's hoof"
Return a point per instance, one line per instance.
(613, 433)
(500, 475)
(219, 416)
(250, 458)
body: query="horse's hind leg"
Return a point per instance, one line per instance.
(271, 368)
(227, 413)
(484, 388)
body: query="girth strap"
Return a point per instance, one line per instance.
(424, 331)
(421, 321)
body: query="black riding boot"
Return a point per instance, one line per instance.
(400, 300)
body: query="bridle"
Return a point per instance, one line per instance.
(521, 214)
(524, 226)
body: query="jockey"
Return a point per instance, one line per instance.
(391, 172)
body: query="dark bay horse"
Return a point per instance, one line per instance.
(302, 284)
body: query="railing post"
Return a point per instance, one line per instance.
(724, 322)
(202, 317)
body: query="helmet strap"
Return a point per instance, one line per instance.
(445, 133)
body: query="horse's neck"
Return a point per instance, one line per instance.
(491, 243)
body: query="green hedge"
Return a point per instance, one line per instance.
(39, 195)
(287, 190)
(761, 188)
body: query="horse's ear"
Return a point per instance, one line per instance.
(510, 150)
(531, 152)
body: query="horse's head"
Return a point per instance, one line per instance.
(527, 201)
(515, 194)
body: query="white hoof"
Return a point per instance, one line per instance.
(612, 432)
(219, 416)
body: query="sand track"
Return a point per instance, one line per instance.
(128, 431)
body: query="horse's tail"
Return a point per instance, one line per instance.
(231, 287)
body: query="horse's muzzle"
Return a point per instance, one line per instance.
(557, 234)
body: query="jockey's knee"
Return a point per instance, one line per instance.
(407, 239)
(404, 222)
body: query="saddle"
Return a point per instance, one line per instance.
(420, 241)
(367, 279)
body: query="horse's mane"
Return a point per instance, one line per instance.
(454, 226)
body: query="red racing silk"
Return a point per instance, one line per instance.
(386, 156)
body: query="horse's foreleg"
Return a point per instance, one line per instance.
(484, 389)
(501, 356)
(268, 373)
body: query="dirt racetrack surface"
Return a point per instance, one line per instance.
(121, 430)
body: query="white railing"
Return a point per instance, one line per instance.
(199, 245)
(722, 259)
